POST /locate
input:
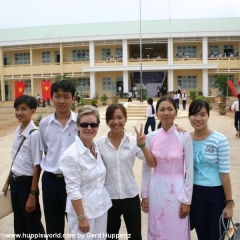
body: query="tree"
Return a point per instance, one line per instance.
(220, 82)
(75, 81)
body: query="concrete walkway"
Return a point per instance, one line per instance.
(223, 124)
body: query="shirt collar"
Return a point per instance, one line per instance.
(81, 146)
(125, 136)
(71, 118)
(27, 130)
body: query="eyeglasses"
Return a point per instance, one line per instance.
(85, 125)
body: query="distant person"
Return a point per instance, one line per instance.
(164, 90)
(25, 171)
(150, 115)
(130, 96)
(145, 86)
(184, 100)
(158, 91)
(177, 99)
(38, 100)
(134, 91)
(57, 133)
(236, 107)
(120, 90)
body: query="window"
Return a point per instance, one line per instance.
(106, 84)
(119, 53)
(22, 58)
(187, 51)
(80, 55)
(28, 87)
(187, 82)
(213, 50)
(45, 57)
(84, 85)
(106, 53)
(212, 77)
(57, 56)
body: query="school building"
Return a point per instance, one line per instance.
(104, 56)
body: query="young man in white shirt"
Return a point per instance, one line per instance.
(25, 171)
(57, 132)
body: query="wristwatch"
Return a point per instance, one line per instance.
(33, 192)
(229, 202)
(81, 216)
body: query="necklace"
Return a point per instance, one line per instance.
(92, 150)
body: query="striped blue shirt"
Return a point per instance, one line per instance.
(211, 157)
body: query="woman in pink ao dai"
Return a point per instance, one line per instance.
(167, 190)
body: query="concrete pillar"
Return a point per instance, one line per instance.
(92, 84)
(32, 85)
(205, 82)
(61, 59)
(92, 53)
(125, 82)
(170, 51)
(125, 52)
(205, 50)
(31, 55)
(170, 80)
(2, 76)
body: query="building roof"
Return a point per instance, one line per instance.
(114, 29)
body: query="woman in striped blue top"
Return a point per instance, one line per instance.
(212, 194)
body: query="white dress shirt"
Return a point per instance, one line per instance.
(184, 96)
(120, 180)
(149, 111)
(85, 177)
(235, 106)
(29, 154)
(55, 139)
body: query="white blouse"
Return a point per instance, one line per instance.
(85, 177)
(120, 180)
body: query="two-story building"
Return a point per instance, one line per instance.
(103, 56)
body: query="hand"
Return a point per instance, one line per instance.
(179, 129)
(141, 138)
(228, 210)
(144, 205)
(5, 188)
(83, 225)
(31, 203)
(184, 210)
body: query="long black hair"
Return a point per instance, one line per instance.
(150, 101)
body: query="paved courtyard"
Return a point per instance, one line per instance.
(223, 124)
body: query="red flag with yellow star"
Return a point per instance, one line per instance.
(19, 88)
(46, 90)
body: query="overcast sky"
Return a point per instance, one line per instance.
(27, 13)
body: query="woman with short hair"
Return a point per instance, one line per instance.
(84, 172)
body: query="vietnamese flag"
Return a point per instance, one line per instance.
(46, 89)
(19, 88)
(232, 88)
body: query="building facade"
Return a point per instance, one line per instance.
(187, 53)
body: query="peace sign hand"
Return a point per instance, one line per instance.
(141, 138)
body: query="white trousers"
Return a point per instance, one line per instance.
(98, 228)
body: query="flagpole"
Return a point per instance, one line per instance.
(141, 87)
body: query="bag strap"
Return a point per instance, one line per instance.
(23, 142)
(221, 220)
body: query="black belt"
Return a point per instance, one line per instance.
(20, 178)
(58, 175)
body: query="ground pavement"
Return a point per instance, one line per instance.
(223, 124)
